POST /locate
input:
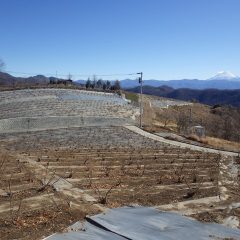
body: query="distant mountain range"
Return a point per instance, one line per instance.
(9, 80)
(205, 96)
(223, 80)
(224, 88)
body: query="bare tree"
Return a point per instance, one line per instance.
(228, 129)
(182, 122)
(166, 117)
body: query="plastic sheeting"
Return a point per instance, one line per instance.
(85, 231)
(142, 223)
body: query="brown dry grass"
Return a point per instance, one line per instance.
(164, 119)
(148, 113)
(221, 143)
(198, 139)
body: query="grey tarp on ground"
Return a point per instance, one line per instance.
(86, 231)
(142, 223)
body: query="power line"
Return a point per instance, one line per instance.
(79, 75)
(116, 74)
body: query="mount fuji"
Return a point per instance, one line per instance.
(225, 75)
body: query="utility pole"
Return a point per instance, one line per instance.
(141, 98)
(69, 76)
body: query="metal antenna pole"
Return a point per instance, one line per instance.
(141, 98)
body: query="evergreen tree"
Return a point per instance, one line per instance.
(117, 86)
(99, 83)
(88, 83)
(108, 83)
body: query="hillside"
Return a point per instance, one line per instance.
(207, 96)
(175, 116)
(68, 153)
(9, 80)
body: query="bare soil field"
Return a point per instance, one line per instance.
(112, 164)
(31, 208)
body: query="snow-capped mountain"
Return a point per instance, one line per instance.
(224, 75)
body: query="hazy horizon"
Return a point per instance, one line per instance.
(74, 78)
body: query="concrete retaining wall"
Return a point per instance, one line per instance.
(55, 122)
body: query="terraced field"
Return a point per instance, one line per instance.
(30, 207)
(53, 175)
(119, 167)
(61, 102)
(39, 109)
(146, 177)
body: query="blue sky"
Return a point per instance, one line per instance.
(166, 39)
